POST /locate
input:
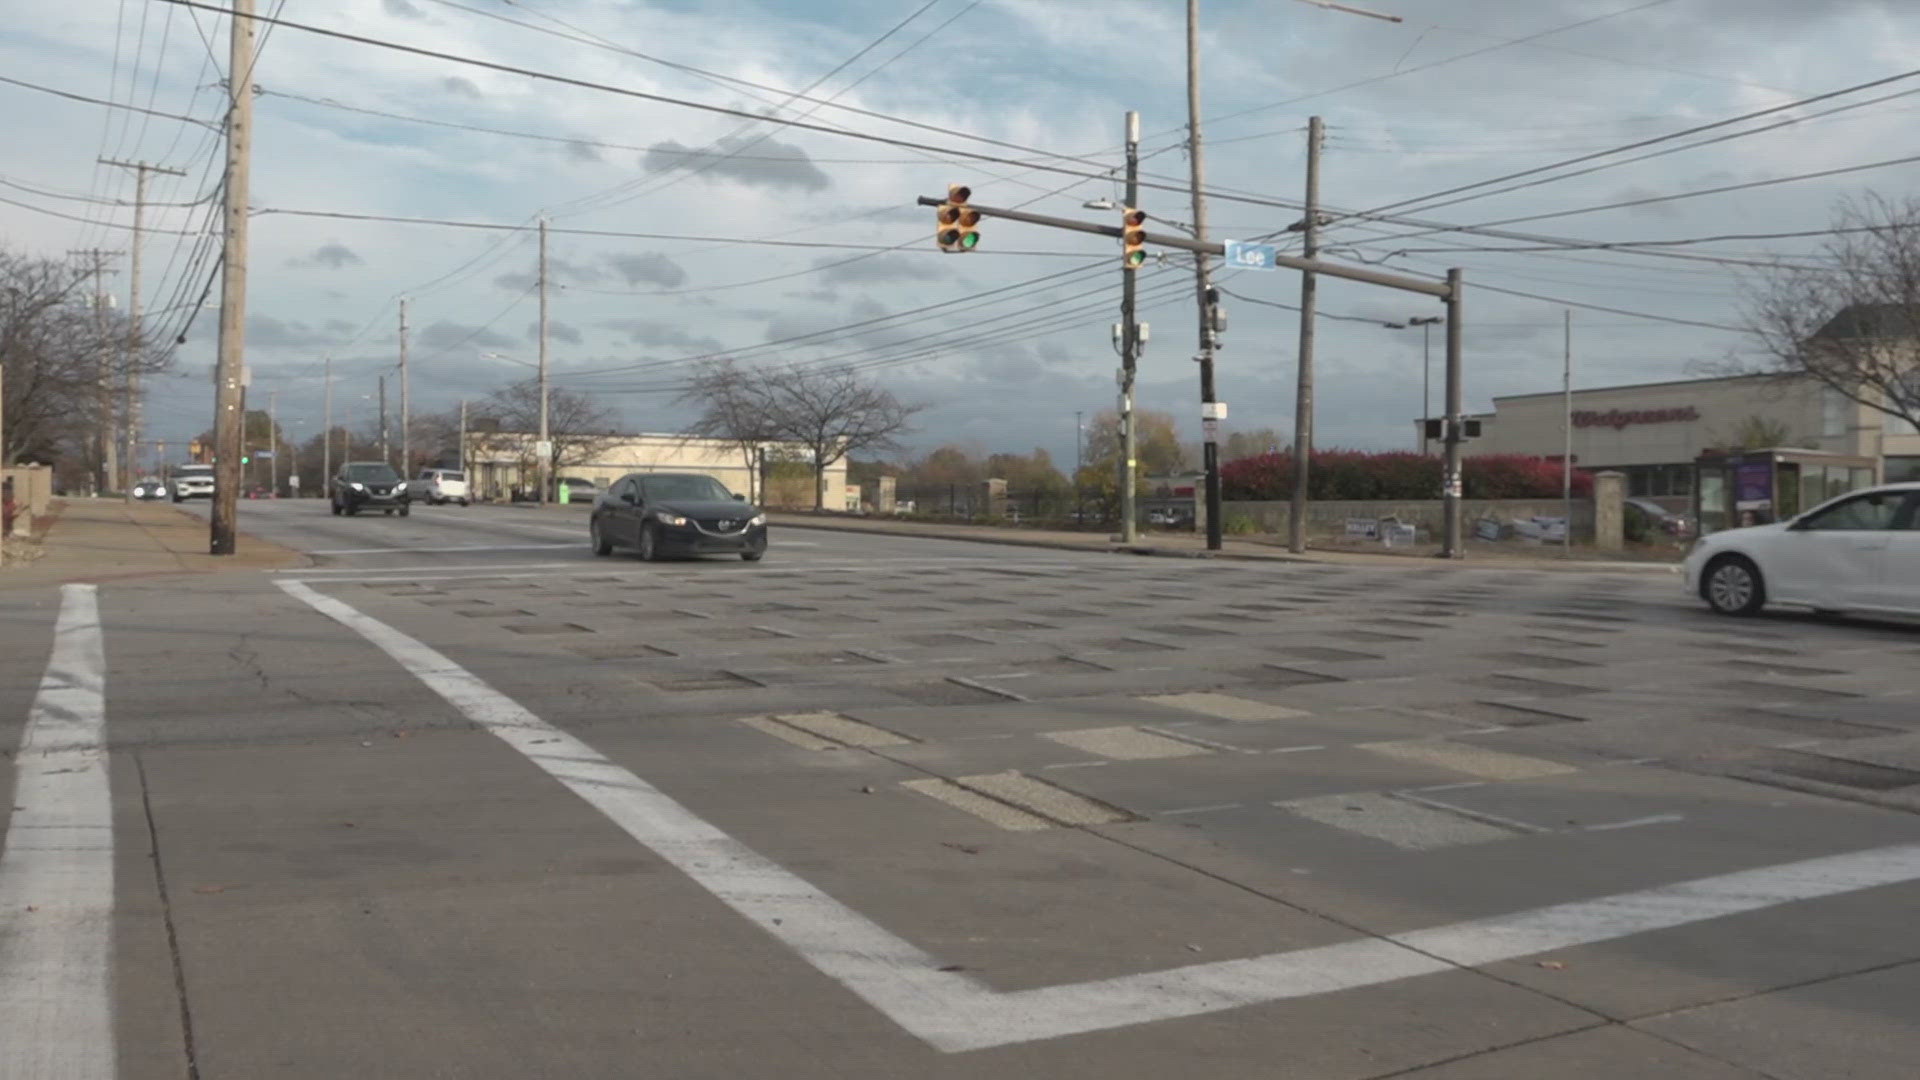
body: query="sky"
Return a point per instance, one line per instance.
(680, 233)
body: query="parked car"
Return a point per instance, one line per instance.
(368, 485)
(436, 487)
(1672, 523)
(192, 482)
(1859, 552)
(150, 487)
(658, 514)
(578, 490)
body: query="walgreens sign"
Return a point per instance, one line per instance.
(1620, 418)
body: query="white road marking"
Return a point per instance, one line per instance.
(1653, 819)
(307, 573)
(56, 872)
(443, 550)
(953, 1012)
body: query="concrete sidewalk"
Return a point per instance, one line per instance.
(93, 540)
(1194, 547)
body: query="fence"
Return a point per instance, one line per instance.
(967, 501)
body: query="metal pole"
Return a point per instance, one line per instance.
(1426, 383)
(464, 474)
(273, 443)
(1129, 360)
(1210, 449)
(386, 455)
(546, 457)
(228, 416)
(326, 429)
(1303, 395)
(1451, 548)
(406, 402)
(1566, 455)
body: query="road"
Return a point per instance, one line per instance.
(463, 800)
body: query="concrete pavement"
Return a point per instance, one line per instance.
(456, 798)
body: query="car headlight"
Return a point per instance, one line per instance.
(399, 487)
(672, 519)
(758, 519)
(355, 486)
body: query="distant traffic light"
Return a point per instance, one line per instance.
(958, 224)
(1133, 238)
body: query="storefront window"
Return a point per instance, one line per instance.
(1902, 469)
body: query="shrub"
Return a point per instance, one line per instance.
(1352, 474)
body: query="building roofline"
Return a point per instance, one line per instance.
(1651, 385)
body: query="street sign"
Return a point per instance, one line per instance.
(1244, 256)
(542, 448)
(264, 454)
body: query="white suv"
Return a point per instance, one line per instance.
(438, 486)
(192, 482)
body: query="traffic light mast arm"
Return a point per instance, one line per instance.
(1292, 262)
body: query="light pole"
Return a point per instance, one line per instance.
(1426, 323)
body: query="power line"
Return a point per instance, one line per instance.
(71, 96)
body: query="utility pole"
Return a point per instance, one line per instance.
(406, 402)
(1456, 426)
(229, 399)
(106, 442)
(273, 444)
(385, 454)
(545, 451)
(1129, 359)
(1303, 396)
(140, 171)
(1209, 411)
(326, 428)
(1566, 452)
(463, 449)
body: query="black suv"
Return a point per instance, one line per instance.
(368, 485)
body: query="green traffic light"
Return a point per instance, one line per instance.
(1136, 258)
(969, 240)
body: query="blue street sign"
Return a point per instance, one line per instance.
(1244, 256)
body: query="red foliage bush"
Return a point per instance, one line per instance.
(1353, 474)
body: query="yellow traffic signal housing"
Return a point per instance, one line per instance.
(1133, 238)
(957, 228)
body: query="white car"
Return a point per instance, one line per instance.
(1859, 552)
(438, 486)
(192, 482)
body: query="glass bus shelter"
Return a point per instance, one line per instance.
(1758, 487)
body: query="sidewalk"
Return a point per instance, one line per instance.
(1481, 556)
(92, 540)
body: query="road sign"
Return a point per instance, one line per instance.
(264, 455)
(1244, 256)
(542, 448)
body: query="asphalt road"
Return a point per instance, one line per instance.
(463, 800)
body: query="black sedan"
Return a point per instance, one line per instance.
(659, 514)
(368, 485)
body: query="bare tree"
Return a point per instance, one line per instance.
(1849, 317)
(579, 430)
(57, 352)
(736, 407)
(830, 412)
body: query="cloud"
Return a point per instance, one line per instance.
(446, 335)
(879, 269)
(329, 256)
(583, 151)
(267, 332)
(651, 267)
(339, 326)
(557, 330)
(1659, 209)
(652, 333)
(400, 9)
(455, 84)
(761, 162)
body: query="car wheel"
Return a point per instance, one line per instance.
(336, 508)
(1732, 586)
(753, 556)
(598, 542)
(404, 508)
(352, 510)
(463, 504)
(388, 511)
(649, 550)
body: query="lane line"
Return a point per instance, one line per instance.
(953, 1012)
(56, 872)
(440, 550)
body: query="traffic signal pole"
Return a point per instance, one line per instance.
(1129, 358)
(1203, 286)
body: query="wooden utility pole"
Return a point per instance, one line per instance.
(386, 455)
(106, 445)
(1303, 395)
(326, 428)
(1209, 409)
(273, 443)
(229, 400)
(406, 401)
(465, 474)
(134, 340)
(545, 453)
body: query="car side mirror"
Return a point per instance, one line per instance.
(737, 497)
(629, 498)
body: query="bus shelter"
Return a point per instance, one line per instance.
(1758, 487)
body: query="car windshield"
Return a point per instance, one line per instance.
(691, 488)
(375, 473)
(195, 470)
(454, 476)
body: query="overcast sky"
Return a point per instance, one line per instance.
(1461, 92)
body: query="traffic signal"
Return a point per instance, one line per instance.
(1133, 238)
(958, 224)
